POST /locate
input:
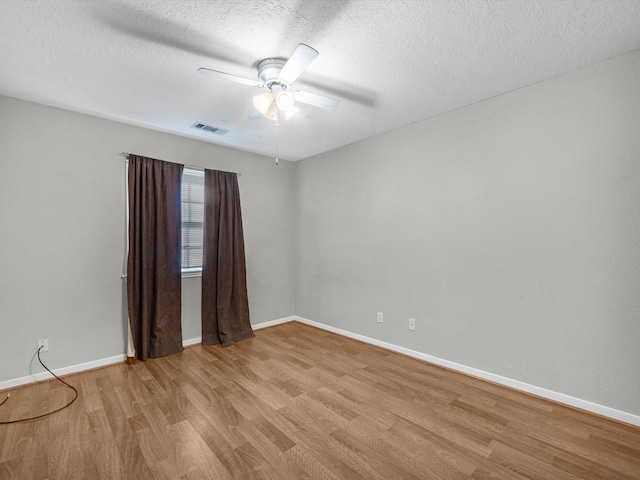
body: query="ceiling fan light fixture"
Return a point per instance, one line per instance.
(263, 102)
(272, 112)
(285, 100)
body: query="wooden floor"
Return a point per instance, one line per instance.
(297, 403)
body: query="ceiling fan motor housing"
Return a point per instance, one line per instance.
(269, 72)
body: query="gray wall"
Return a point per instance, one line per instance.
(62, 232)
(508, 229)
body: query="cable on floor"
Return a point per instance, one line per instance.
(75, 390)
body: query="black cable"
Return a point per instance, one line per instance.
(44, 414)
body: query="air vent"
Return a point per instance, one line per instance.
(209, 128)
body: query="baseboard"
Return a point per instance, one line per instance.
(191, 341)
(508, 382)
(271, 323)
(258, 326)
(37, 377)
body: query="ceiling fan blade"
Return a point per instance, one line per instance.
(230, 77)
(255, 115)
(301, 58)
(317, 100)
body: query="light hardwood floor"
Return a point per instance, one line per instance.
(296, 402)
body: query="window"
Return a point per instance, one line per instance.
(192, 219)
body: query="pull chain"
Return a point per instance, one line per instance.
(277, 125)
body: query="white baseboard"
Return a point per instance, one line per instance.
(258, 326)
(37, 377)
(508, 382)
(273, 322)
(191, 341)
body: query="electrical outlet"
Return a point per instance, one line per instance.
(44, 343)
(412, 324)
(380, 317)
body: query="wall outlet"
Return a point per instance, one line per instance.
(380, 319)
(44, 343)
(412, 324)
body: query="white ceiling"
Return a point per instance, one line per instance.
(390, 63)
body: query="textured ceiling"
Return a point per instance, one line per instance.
(390, 63)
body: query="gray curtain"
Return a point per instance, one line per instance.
(225, 305)
(153, 266)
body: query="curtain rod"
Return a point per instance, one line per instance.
(126, 155)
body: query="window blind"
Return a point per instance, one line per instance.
(192, 219)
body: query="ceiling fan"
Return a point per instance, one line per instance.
(277, 75)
